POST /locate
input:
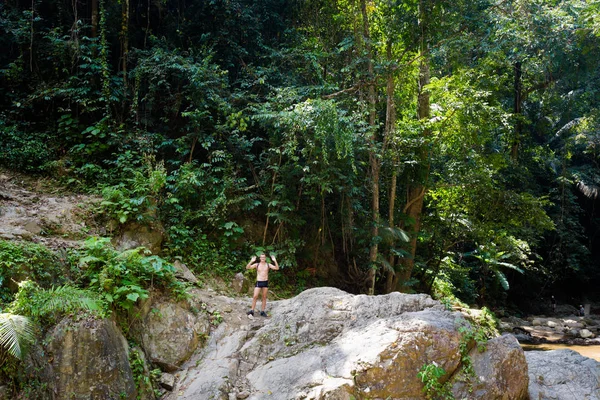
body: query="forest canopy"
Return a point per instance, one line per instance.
(447, 147)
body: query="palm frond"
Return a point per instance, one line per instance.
(568, 126)
(390, 234)
(502, 279)
(385, 263)
(588, 190)
(15, 332)
(507, 265)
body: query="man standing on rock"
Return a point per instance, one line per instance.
(262, 281)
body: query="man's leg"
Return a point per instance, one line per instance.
(254, 299)
(264, 298)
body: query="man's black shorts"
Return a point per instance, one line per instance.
(262, 284)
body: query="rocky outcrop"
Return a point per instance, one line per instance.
(89, 360)
(326, 343)
(37, 215)
(500, 371)
(183, 272)
(569, 329)
(562, 374)
(168, 332)
(137, 235)
(240, 284)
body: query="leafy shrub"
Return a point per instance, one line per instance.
(19, 261)
(430, 375)
(123, 278)
(49, 305)
(26, 151)
(146, 382)
(488, 323)
(138, 198)
(200, 253)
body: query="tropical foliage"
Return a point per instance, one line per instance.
(445, 147)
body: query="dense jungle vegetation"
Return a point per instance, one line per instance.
(447, 147)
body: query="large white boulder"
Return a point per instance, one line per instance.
(562, 375)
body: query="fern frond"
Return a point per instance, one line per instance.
(64, 299)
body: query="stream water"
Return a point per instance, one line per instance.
(587, 351)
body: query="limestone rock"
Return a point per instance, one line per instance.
(33, 227)
(167, 381)
(168, 332)
(240, 283)
(586, 334)
(137, 235)
(574, 324)
(562, 374)
(325, 343)
(501, 372)
(89, 360)
(183, 272)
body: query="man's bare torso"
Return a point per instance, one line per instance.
(262, 271)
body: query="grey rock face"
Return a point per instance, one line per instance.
(183, 272)
(500, 372)
(562, 375)
(167, 381)
(328, 344)
(89, 361)
(136, 235)
(168, 332)
(240, 283)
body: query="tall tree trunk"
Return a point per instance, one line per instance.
(391, 274)
(125, 40)
(94, 18)
(390, 123)
(373, 157)
(416, 191)
(147, 24)
(31, 34)
(104, 58)
(518, 101)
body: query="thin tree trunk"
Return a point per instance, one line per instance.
(391, 274)
(518, 101)
(194, 141)
(147, 24)
(104, 58)
(269, 207)
(416, 191)
(125, 41)
(373, 160)
(390, 123)
(31, 36)
(94, 18)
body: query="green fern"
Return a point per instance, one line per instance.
(49, 304)
(65, 299)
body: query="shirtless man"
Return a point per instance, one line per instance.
(262, 281)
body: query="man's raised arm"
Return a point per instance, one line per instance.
(276, 266)
(250, 265)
